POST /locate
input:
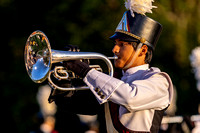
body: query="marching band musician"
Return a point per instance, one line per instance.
(135, 102)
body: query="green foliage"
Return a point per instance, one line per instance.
(89, 24)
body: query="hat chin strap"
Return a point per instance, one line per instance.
(134, 56)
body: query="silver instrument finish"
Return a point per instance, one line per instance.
(39, 57)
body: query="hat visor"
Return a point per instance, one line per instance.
(122, 37)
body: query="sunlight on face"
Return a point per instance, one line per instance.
(124, 51)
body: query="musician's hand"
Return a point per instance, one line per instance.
(73, 48)
(78, 67)
(58, 94)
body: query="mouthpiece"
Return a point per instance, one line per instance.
(113, 58)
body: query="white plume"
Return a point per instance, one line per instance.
(195, 63)
(139, 6)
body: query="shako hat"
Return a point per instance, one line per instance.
(138, 27)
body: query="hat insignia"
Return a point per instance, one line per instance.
(124, 24)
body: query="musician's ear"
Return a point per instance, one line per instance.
(143, 50)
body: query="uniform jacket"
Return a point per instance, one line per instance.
(141, 93)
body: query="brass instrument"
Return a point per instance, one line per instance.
(39, 58)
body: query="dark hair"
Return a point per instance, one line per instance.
(149, 53)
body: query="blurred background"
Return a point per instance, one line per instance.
(89, 24)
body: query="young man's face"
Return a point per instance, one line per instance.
(124, 51)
